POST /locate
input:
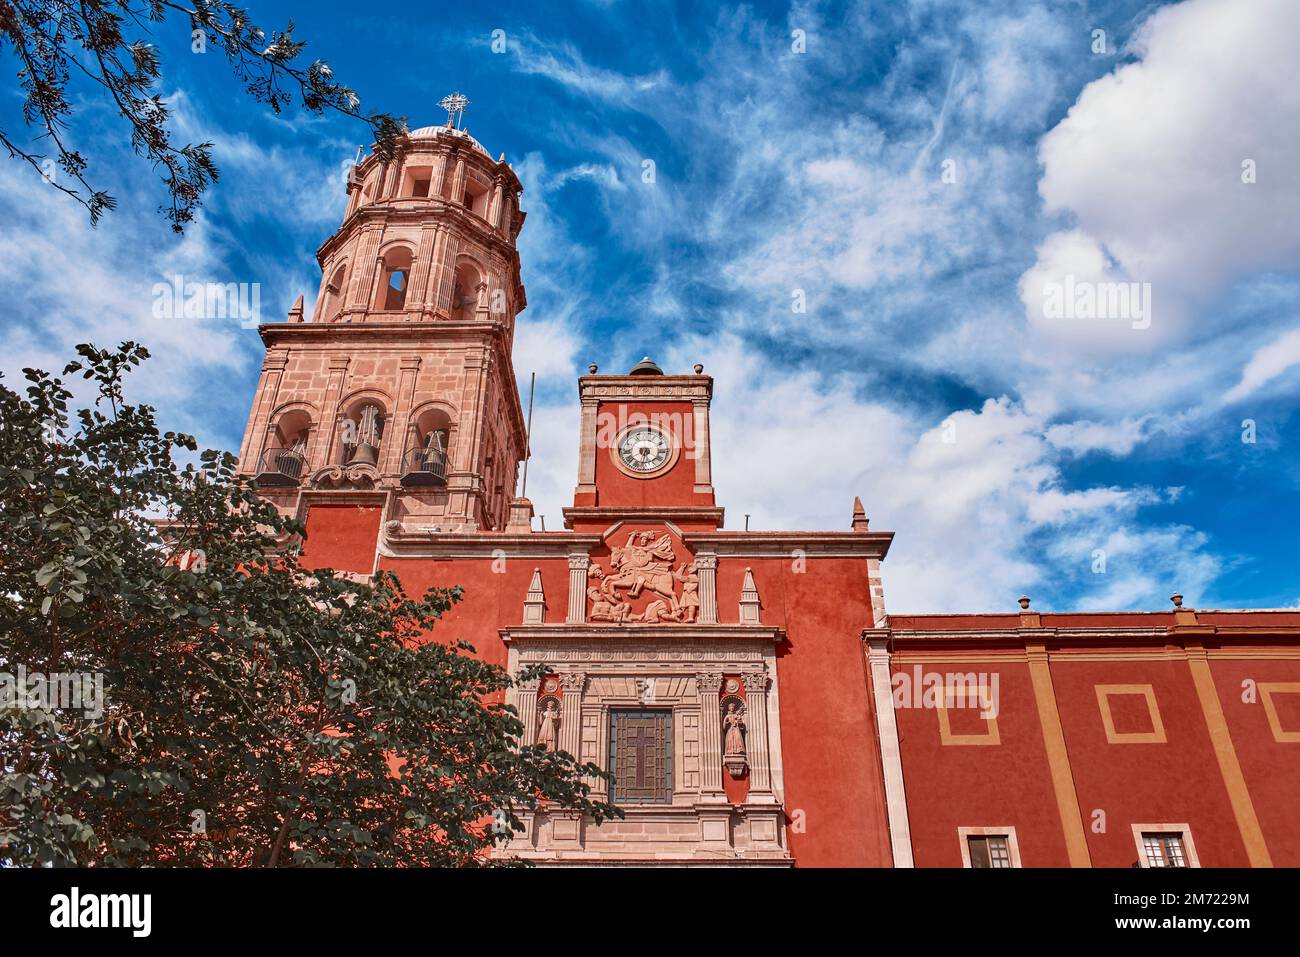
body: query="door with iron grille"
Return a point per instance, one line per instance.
(641, 756)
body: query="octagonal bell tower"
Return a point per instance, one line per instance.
(397, 393)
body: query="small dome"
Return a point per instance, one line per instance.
(646, 367)
(434, 132)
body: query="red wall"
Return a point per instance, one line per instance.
(1271, 768)
(828, 733)
(673, 487)
(342, 537)
(952, 786)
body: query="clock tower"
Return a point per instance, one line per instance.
(644, 449)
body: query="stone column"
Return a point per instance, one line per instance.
(578, 565)
(891, 759)
(757, 743)
(710, 687)
(438, 176)
(365, 262)
(322, 443)
(494, 211)
(458, 181)
(399, 424)
(703, 465)
(525, 702)
(422, 267)
(259, 422)
(573, 683)
(587, 447)
(706, 563)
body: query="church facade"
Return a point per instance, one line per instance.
(754, 700)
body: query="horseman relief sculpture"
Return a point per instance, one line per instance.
(644, 565)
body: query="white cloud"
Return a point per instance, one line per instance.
(1267, 364)
(1148, 161)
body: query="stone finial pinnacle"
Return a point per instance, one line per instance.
(860, 521)
(295, 311)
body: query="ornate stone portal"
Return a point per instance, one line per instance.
(692, 675)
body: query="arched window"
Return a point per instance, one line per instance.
(396, 275)
(363, 432)
(465, 291)
(284, 459)
(334, 291)
(428, 449)
(415, 181)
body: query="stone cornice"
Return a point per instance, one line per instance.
(1153, 635)
(782, 544)
(644, 388)
(418, 212)
(606, 634)
(419, 334)
(484, 545)
(612, 514)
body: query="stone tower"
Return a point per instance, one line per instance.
(398, 391)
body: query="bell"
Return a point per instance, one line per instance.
(363, 454)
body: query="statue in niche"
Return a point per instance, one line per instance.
(549, 725)
(733, 722)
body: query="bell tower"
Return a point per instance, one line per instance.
(398, 392)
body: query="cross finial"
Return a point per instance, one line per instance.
(455, 106)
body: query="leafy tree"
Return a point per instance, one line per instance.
(254, 713)
(56, 41)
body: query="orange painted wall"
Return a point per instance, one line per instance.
(673, 487)
(342, 537)
(828, 734)
(1175, 782)
(1271, 767)
(985, 785)
(493, 595)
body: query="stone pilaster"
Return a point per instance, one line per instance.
(587, 448)
(525, 702)
(395, 435)
(322, 444)
(259, 423)
(703, 465)
(574, 684)
(578, 565)
(706, 564)
(891, 759)
(757, 744)
(710, 687)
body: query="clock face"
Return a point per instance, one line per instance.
(644, 449)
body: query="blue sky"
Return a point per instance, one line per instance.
(917, 175)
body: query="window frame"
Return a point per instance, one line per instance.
(1182, 831)
(668, 785)
(964, 834)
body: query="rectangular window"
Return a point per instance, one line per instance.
(1163, 849)
(989, 850)
(641, 756)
